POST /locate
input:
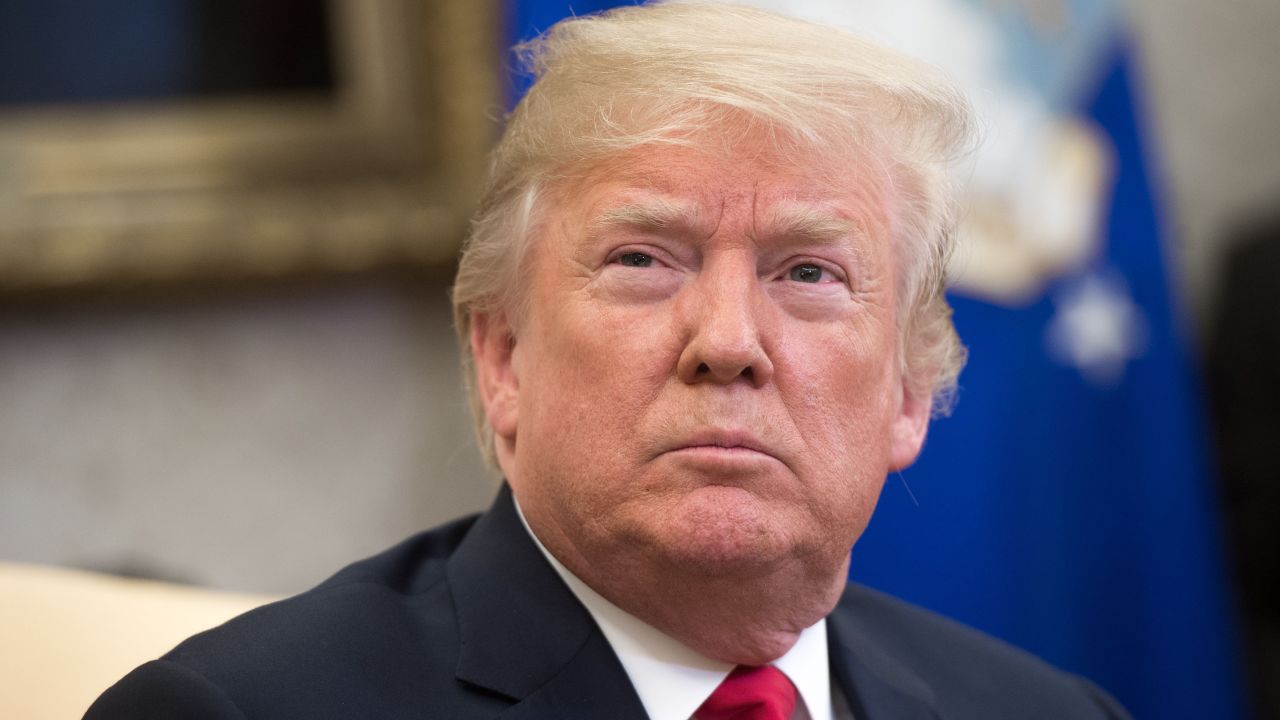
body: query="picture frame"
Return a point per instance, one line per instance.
(383, 172)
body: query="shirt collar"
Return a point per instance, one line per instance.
(671, 679)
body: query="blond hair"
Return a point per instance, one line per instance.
(678, 72)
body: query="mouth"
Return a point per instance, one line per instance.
(719, 445)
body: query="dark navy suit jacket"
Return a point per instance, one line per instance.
(470, 621)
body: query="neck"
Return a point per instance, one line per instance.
(746, 618)
(750, 620)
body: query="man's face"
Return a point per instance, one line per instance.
(707, 375)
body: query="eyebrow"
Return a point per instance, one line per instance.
(654, 214)
(810, 224)
(801, 222)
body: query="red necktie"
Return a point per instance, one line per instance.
(751, 693)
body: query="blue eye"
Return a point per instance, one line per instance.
(806, 273)
(635, 259)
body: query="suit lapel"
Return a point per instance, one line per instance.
(876, 684)
(589, 687)
(522, 632)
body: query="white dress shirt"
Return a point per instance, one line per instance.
(673, 681)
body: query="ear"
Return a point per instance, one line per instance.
(493, 347)
(909, 429)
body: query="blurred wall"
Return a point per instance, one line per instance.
(1213, 97)
(256, 442)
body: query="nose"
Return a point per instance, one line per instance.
(727, 328)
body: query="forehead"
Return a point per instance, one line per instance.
(707, 185)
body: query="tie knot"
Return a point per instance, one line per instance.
(751, 693)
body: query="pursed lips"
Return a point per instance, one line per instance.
(726, 443)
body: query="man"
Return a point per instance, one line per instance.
(703, 308)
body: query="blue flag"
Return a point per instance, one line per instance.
(1068, 506)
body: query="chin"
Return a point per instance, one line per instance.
(725, 532)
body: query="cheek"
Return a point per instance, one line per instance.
(846, 461)
(625, 352)
(594, 372)
(843, 396)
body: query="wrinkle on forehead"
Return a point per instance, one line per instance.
(821, 200)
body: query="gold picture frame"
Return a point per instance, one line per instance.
(381, 174)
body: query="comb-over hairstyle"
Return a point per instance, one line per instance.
(708, 75)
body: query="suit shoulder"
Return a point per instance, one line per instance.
(919, 634)
(386, 620)
(411, 565)
(970, 673)
(367, 599)
(161, 689)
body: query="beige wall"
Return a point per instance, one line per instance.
(1210, 71)
(254, 443)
